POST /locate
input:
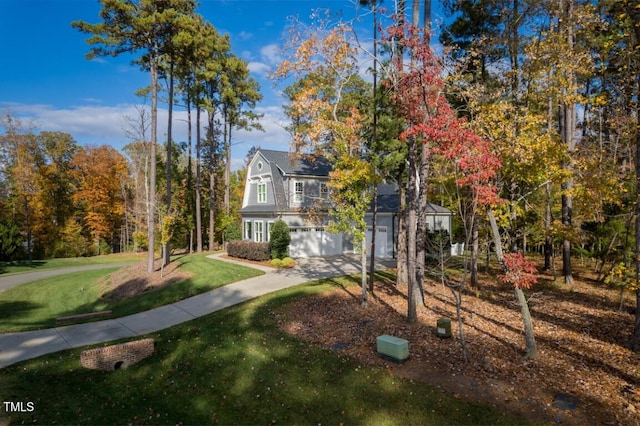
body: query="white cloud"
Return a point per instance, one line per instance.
(243, 35)
(259, 68)
(271, 53)
(274, 136)
(103, 125)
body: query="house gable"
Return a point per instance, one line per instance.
(259, 191)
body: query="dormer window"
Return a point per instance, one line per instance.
(262, 192)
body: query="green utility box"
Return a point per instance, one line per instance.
(392, 348)
(443, 327)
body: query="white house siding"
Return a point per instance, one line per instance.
(438, 222)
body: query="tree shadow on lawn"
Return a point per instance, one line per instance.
(235, 367)
(4, 266)
(12, 311)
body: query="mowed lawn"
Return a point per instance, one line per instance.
(36, 305)
(38, 265)
(234, 367)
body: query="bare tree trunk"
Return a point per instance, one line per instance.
(212, 179)
(413, 286)
(152, 168)
(475, 251)
(548, 243)
(167, 246)
(402, 278)
(530, 340)
(227, 166)
(212, 204)
(191, 198)
(198, 185)
(363, 270)
(374, 219)
(567, 131)
(421, 224)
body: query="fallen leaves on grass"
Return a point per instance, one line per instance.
(580, 333)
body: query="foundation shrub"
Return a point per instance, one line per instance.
(249, 250)
(279, 239)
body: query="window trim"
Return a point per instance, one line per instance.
(262, 195)
(258, 231)
(248, 230)
(324, 190)
(269, 225)
(298, 196)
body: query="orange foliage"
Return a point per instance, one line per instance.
(100, 173)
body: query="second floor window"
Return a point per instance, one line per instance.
(262, 192)
(298, 193)
(324, 190)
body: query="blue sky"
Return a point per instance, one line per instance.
(46, 79)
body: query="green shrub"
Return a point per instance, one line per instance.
(279, 240)
(288, 262)
(10, 240)
(248, 250)
(276, 263)
(233, 232)
(140, 241)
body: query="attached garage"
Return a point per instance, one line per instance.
(382, 242)
(314, 241)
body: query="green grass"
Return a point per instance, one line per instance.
(233, 367)
(37, 265)
(36, 305)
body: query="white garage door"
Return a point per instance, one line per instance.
(382, 251)
(311, 242)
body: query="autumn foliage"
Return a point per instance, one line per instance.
(418, 90)
(520, 272)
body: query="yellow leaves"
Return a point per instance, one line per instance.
(520, 138)
(321, 48)
(100, 172)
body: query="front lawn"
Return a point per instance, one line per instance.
(36, 305)
(234, 367)
(37, 265)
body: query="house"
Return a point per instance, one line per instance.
(294, 189)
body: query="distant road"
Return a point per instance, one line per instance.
(13, 280)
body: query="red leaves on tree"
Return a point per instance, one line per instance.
(418, 92)
(521, 273)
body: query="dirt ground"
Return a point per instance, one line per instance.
(585, 373)
(134, 280)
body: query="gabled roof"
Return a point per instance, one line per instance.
(292, 164)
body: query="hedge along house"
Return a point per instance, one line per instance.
(295, 189)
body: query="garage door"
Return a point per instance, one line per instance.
(382, 251)
(311, 242)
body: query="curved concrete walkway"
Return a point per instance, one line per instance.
(15, 347)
